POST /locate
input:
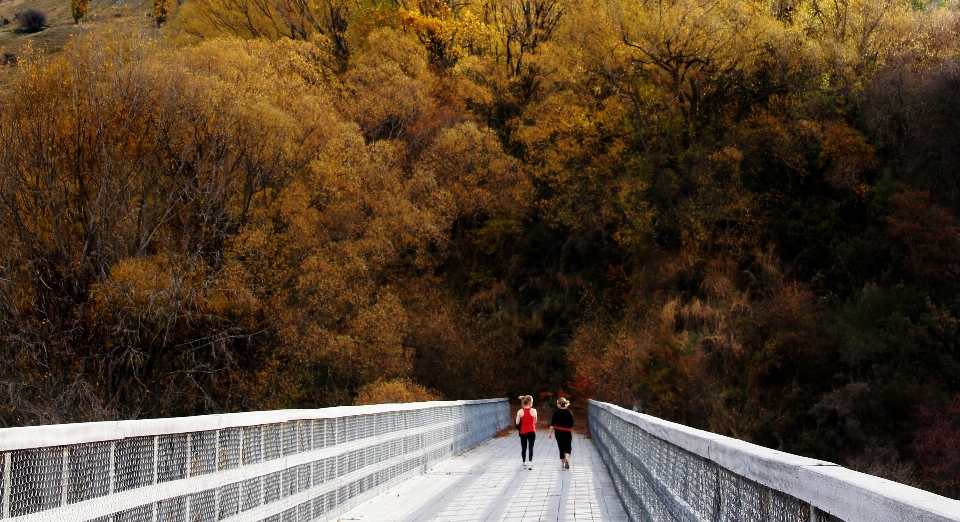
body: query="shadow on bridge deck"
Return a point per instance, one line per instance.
(488, 484)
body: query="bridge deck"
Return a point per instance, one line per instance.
(488, 484)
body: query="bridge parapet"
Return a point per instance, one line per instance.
(289, 465)
(665, 471)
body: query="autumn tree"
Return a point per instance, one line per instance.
(78, 9)
(736, 215)
(527, 24)
(157, 188)
(395, 391)
(937, 447)
(162, 10)
(858, 36)
(128, 203)
(295, 19)
(701, 53)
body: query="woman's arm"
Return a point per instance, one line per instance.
(519, 414)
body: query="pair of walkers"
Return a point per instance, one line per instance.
(561, 424)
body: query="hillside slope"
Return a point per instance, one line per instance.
(60, 25)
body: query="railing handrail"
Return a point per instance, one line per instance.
(53, 435)
(844, 493)
(238, 467)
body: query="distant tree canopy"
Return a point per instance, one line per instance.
(733, 214)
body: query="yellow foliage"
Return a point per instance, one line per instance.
(163, 10)
(323, 196)
(78, 9)
(394, 391)
(855, 37)
(846, 154)
(451, 31)
(321, 21)
(469, 163)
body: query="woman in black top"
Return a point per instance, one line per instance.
(562, 421)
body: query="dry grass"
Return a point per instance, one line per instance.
(60, 26)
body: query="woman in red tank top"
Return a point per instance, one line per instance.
(527, 424)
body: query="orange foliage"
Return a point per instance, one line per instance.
(394, 391)
(675, 206)
(847, 156)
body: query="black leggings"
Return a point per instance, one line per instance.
(524, 439)
(564, 442)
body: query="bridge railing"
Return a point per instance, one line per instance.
(664, 471)
(287, 465)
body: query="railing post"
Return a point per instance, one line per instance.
(187, 473)
(263, 457)
(7, 482)
(189, 458)
(63, 478)
(113, 467)
(240, 462)
(717, 498)
(155, 507)
(216, 469)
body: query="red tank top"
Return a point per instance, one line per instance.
(527, 423)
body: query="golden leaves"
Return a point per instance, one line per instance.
(846, 155)
(78, 9)
(394, 391)
(163, 10)
(470, 164)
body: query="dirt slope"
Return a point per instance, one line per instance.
(60, 24)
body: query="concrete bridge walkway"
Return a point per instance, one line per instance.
(488, 484)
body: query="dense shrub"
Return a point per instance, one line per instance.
(394, 391)
(32, 20)
(938, 449)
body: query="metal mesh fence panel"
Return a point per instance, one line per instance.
(658, 481)
(5, 492)
(272, 441)
(228, 448)
(252, 445)
(89, 471)
(172, 457)
(36, 480)
(203, 453)
(133, 463)
(172, 510)
(296, 469)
